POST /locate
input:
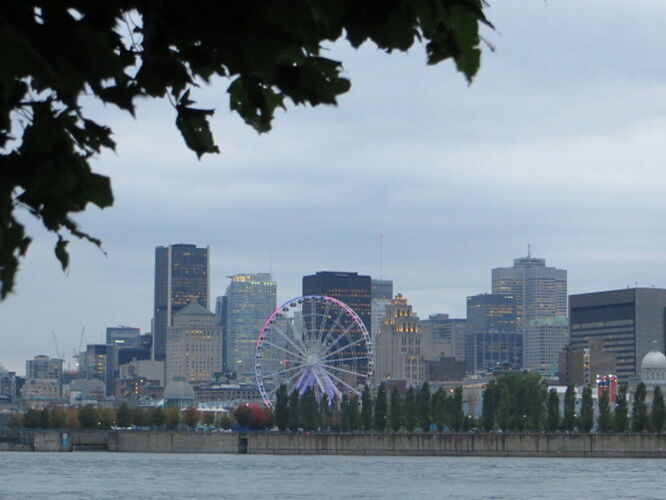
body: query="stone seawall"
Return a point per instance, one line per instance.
(487, 445)
(172, 442)
(490, 445)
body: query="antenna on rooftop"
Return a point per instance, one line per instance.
(270, 260)
(529, 250)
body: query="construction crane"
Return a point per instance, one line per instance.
(77, 353)
(55, 343)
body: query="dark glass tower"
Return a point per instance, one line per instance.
(351, 288)
(491, 336)
(181, 274)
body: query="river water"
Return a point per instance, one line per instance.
(88, 475)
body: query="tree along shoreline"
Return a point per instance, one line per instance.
(515, 402)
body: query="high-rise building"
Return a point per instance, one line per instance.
(221, 315)
(540, 293)
(44, 367)
(92, 362)
(351, 288)
(627, 322)
(445, 335)
(182, 274)
(123, 336)
(251, 298)
(381, 294)
(398, 345)
(8, 389)
(491, 336)
(194, 345)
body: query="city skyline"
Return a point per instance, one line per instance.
(557, 143)
(419, 310)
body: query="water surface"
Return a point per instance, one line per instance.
(87, 475)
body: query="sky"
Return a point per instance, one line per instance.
(558, 143)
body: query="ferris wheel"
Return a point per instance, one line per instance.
(313, 342)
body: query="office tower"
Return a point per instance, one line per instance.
(351, 288)
(8, 388)
(251, 298)
(92, 362)
(626, 321)
(541, 309)
(491, 336)
(221, 315)
(194, 345)
(398, 345)
(445, 335)
(44, 367)
(123, 336)
(123, 344)
(181, 275)
(381, 294)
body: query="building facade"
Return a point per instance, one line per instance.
(540, 293)
(491, 333)
(351, 288)
(43, 367)
(92, 362)
(221, 315)
(194, 345)
(444, 335)
(381, 294)
(582, 366)
(398, 345)
(251, 298)
(626, 321)
(182, 274)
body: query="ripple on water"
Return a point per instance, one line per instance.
(138, 475)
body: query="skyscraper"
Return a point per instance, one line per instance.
(221, 315)
(351, 288)
(181, 275)
(491, 336)
(541, 309)
(442, 334)
(381, 294)
(627, 322)
(398, 355)
(251, 298)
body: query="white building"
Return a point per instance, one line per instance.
(653, 369)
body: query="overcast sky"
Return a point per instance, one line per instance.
(558, 143)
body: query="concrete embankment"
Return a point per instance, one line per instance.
(448, 444)
(491, 444)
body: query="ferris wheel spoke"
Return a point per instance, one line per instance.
(272, 374)
(338, 360)
(320, 335)
(346, 346)
(356, 374)
(300, 350)
(291, 353)
(299, 334)
(333, 326)
(320, 383)
(337, 339)
(355, 391)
